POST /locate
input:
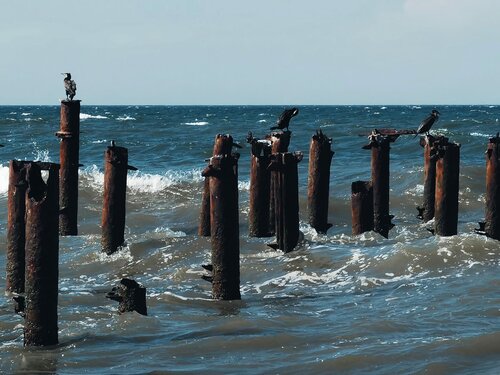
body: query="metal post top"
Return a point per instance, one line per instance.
(65, 101)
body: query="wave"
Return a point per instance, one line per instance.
(86, 116)
(476, 134)
(197, 123)
(126, 118)
(4, 179)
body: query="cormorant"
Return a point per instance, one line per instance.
(69, 86)
(427, 123)
(285, 117)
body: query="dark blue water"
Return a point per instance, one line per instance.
(413, 303)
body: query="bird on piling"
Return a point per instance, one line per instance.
(427, 123)
(69, 86)
(285, 117)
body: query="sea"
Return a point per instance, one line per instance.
(414, 303)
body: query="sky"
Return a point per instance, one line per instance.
(283, 52)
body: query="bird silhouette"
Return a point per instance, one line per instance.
(427, 123)
(69, 86)
(285, 117)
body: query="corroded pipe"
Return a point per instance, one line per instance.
(16, 227)
(115, 187)
(69, 135)
(224, 224)
(42, 257)
(426, 212)
(318, 188)
(361, 207)
(492, 217)
(447, 181)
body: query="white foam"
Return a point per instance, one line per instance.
(476, 134)
(85, 116)
(4, 179)
(125, 118)
(26, 113)
(196, 123)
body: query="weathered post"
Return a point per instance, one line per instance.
(69, 135)
(224, 221)
(220, 148)
(492, 217)
(447, 180)
(318, 189)
(260, 180)
(426, 212)
(279, 143)
(361, 207)
(130, 295)
(16, 227)
(42, 256)
(115, 187)
(286, 195)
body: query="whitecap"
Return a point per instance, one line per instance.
(26, 113)
(86, 116)
(262, 121)
(196, 123)
(125, 118)
(476, 134)
(4, 179)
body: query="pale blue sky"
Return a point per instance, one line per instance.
(252, 52)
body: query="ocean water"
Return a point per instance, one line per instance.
(410, 304)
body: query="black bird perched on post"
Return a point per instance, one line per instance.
(69, 86)
(285, 117)
(427, 123)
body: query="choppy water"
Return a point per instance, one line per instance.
(413, 303)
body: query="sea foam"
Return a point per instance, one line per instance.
(85, 116)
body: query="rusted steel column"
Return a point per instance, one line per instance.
(286, 195)
(130, 295)
(447, 179)
(318, 189)
(426, 212)
(379, 145)
(224, 223)
(492, 217)
(362, 207)
(42, 257)
(115, 187)
(260, 181)
(221, 147)
(16, 227)
(69, 134)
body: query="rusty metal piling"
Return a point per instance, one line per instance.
(447, 183)
(426, 211)
(69, 135)
(318, 188)
(361, 207)
(260, 180)
(16, 227)
(130, 295)
(42, 256)
(115, 187)
(279, 143)
(492, 216)
(222, 172)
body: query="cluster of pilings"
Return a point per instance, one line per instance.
(40, 209)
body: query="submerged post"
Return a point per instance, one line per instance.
(426, 212)
(42, 256)
(447, 180)
(318, 189)
(130, 295)
(16, 228)
(361, 207)
(222, 172)
(260, 182)
(69, 135)
(115, 187)
(286, 194)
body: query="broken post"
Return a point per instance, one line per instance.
(42, 256)
(379, 144)
(115, 187)
(447, 180)
(426, 212)
(492, 216)
(220, 148)
(286, 195)
(130, 295)
(69, 135)
(16, 228)
(260, 179)
(222, 172)
(361, 207)
(318, 188)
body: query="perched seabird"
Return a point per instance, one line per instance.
(69, 86)
(426, 125)
(285, 117)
